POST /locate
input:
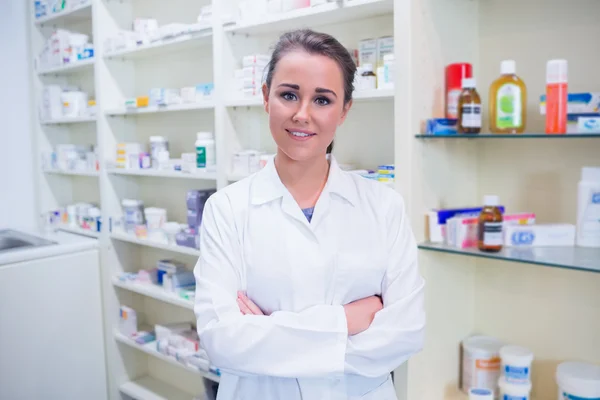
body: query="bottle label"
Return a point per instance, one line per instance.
(508, 112)
(201, 157)
(471, 116)
(492, 233)
(452, 103)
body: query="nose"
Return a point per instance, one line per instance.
(302, 114)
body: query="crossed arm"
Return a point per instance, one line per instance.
(369, 337)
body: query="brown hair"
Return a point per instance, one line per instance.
(315, 43)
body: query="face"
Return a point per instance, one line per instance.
(305, 104)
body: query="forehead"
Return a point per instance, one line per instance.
(312, 70)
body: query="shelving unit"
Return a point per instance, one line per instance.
(466, 292)
(73, 173)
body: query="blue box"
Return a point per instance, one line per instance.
(441, 126)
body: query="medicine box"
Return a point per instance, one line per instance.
(435, 221)
(578, 103)
(441, 126)
(588, 125)
(539, 235)
(367, 52)
(128, 321)
(385, 46)
(163, 332)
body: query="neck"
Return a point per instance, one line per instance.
(305, 180)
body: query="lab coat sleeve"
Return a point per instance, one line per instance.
(397, 331)
(311, 343)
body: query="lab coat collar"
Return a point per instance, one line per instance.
(267, 185)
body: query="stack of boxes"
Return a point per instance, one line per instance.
(195, 200)
(583, 112)
(248, 79)
(379, 55)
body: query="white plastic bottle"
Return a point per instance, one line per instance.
(205, 151)
(588, 208)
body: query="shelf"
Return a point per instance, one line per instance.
(148, 388)
(164, 174)
(165, 46)
(358, 96)
(155, 109)
(72, 173)
(79, 231)
(150, 348)
(521, 136)
(148, 243)
(155, 292)
(85, 65)
(326, 14)
(76, 14)
(76, 120)
(577, 258)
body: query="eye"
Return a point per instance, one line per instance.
(322, 101)
(289, 96)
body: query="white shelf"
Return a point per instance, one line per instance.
(79, 231)
(150, 348)
(76, 120)
(148, 388)
(326, 14)
(72, 173)
(244, 102)
(165, 46)
(155, 292)
(154, 109)
(79, 13)
(358, 96)
(211, 176)
(79, 66)
(148, 243)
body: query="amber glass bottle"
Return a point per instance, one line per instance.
(490, 237)
(469, 108)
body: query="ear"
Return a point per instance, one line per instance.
(345, 112)
(265, 93)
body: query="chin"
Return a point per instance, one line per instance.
(301, 154)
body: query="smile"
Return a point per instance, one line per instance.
(300, 135)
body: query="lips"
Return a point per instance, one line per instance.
(299, 134)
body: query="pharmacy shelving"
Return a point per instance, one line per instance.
(75, 14)
(78, 230)
(148, 388)
(184, 43)
(154, 291)
(76, 67)
(150, 348)
(155, 173)
(69, 120)
(93, 174)
(125, 237)
(576, 258)
(483, 136)
(206, 105)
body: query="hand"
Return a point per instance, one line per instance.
(360, 313)
(247, 306)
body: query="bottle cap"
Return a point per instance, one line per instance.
(508, 67)
(490, 200)
(204, 136)
(368, 67)
(469, 83)
(556, 71)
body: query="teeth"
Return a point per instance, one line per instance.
(300, 134)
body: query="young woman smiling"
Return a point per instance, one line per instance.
(307, 284)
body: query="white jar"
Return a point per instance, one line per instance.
(514, 391)
(205, 150)
(588, 208)
(481, 394)
(133, 214)
(578, 380)
(516, 364)
(157, 144)
(155, 218)
(481, 363)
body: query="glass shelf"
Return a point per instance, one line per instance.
(512, 136)
(577, 258)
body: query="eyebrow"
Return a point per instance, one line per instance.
(318, 90)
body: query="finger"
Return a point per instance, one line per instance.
(243, 308)
(250, 304)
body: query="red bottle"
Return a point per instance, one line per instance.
(455, 73)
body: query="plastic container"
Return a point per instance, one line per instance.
(133, 214)
(172, 229)
(588, 208)
(481, 363)
(155, 218)
(516, 364)
(481, 394)
(205, 150)
(514, 391)
(455, 73)
(578, 381)
(556, 96)
(157, 144)
(508, 101)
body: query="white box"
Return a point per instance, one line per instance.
(165, 331)
(539, 235)
(256, 60)
(128, 321)
(385, 45)
(367, 52)
(588, 124)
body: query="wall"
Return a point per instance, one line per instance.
(17, 197)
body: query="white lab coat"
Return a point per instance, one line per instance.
(255, 238)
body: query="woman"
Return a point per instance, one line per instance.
(307, 283)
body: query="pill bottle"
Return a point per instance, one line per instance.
(469, 108)
(133, 214)
(578, 380)
(157, 144)
(205, 150)
(516, 364)
(369, 80)
(489, 230)
(481, 363)
(514, 391)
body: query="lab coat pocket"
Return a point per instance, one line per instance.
(359, 274)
